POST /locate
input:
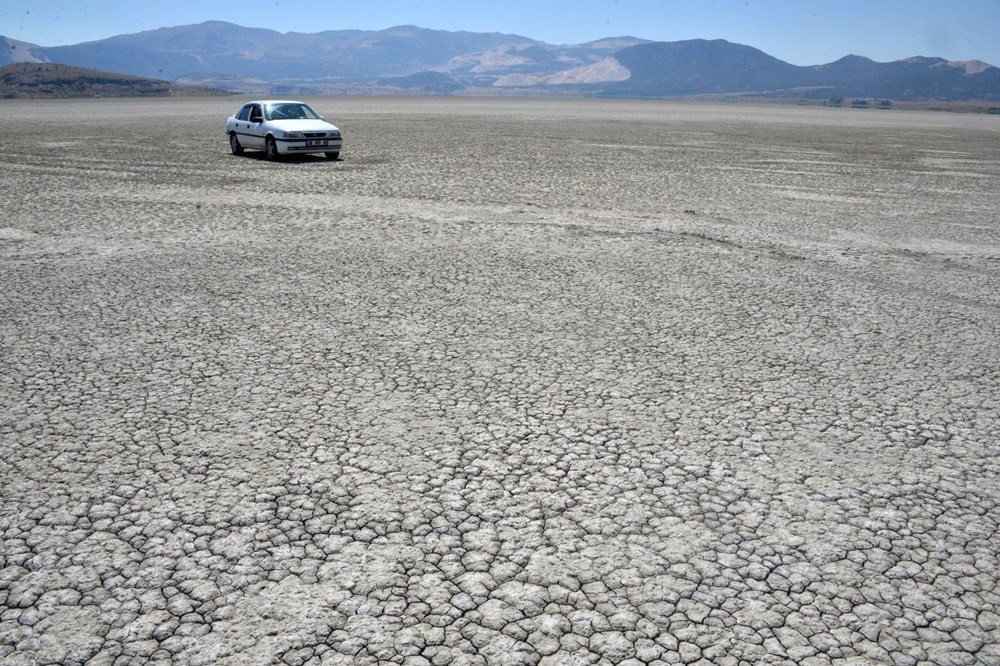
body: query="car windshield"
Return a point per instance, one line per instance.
(290, 111)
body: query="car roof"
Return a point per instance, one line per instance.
(275, 101)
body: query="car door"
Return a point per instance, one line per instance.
(255, 130)
(240, 125)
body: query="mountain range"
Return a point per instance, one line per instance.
(418, 60)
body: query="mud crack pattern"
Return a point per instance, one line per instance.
(648, 384)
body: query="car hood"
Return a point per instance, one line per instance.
(302, 125)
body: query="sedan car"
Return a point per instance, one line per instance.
(282, 127)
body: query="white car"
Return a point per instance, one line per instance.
(282, 127)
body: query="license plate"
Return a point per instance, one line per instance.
(317, 142)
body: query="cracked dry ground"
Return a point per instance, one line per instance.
(514, 382)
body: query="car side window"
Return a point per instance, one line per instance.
(244, 113)
(256, 116)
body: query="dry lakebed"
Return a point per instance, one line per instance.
(514, 381)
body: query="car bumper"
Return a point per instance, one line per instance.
(299, 146)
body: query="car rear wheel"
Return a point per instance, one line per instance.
(271, 147)
(333, 156)
(234, 144)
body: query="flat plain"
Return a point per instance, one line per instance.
(512, 382)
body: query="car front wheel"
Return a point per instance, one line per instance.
(271, 146)
(333, 156)
(234, 144)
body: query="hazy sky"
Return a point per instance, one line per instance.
(803, 32)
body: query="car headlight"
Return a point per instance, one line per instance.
(293, 135)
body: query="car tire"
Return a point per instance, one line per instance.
(271, 148)
(234, 144)
(333, 156)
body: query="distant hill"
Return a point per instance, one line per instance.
(52, 80)
(217, 46)
(12, 51)
(704, 67)
(425, 83)
(698, 66)
(912, 78)
(414, 60)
